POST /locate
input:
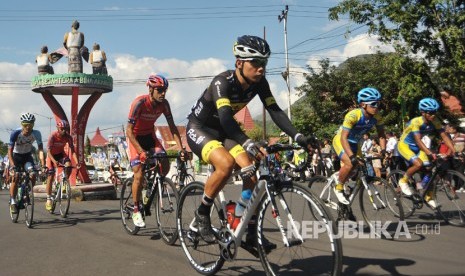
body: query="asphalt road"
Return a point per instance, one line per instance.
(92, 241)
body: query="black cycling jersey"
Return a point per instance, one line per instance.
(224, 97)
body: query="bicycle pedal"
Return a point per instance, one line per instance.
(249, 248)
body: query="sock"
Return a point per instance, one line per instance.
(136, 207)
(206, 205)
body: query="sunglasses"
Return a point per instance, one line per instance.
(27, 124)
(259, 62)
(160, 90)
(430, 112)
(374, 104)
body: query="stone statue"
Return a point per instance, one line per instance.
(74, 43)
(98, 60)
(43, 61)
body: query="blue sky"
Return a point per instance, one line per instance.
(179, 39)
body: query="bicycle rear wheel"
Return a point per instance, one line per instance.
(127, 207)
(204, 257)
(29, 205)
(318, 253)
(381, 209)
(64, 198)
(166, 207)
(451, 204)
(407, 202)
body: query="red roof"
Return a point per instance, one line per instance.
(98, 140)
(243, 117)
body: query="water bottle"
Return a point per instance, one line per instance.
(425, 181)
(240, 206)
(145, 198)
(230, 211)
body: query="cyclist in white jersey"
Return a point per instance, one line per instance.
(20, 153)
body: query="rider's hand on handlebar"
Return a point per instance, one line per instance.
(143, 157)
(253, 148)
(353, 160)
(432, 157)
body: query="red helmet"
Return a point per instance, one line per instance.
(63, 123)
(157, 82)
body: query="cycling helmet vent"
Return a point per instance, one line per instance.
(157, 81)
(27, 118)
(248, 47)
(368, 94)
(428, 105)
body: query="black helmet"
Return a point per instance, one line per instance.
(248, 47)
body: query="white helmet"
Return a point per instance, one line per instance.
(27, 118)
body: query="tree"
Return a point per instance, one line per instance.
(434, 29)
(87, 147)
(330, 92)
(3, 148)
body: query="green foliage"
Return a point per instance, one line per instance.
(434, 29)
(331, 92)
(3, 148)
(256, 133)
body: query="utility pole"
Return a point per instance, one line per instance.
(285, 74)
(263, 108)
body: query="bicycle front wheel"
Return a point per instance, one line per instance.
(451, 204)
(29, 205)
(317, 252)
(166, 205)
(64, 198)
(204, 257)
(382, 211)
(126, 205)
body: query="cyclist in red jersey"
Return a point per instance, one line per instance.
(56, 155)
(141, 137)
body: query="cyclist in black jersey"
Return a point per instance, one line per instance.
(215, 136)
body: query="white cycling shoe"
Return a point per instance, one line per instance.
(341, 197)
(405, 188)
(138, 220)
(432, 203)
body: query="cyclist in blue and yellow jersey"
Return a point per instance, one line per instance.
(412, 149)
(215, 136)
(356, 123)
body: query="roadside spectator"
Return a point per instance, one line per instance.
(427, 141)
(366, 148)
(393, 157)
(375, 151)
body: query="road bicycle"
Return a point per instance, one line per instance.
(159, 194)
(24, 197)
(182, 177)
(444, 184)
(378, 202)
(286, 212)
(61, 191)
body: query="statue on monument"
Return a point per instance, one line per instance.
(74, 43)
(98, 60)
(43, 61)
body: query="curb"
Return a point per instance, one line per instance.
(85, 191)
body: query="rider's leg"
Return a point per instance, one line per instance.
(13, 191)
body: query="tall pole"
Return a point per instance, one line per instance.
(283, 17)
(263, 108)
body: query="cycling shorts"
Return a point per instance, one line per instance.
(204, 140)
(339, 150)
(412, 152)
(61, 157)
(148, 143)
(23, 160)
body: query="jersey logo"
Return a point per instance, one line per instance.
(218, 90)
(269, 101)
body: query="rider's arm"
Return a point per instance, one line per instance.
(41, 155)
(220, 88)
(420, 144)
(345, 142)
(10, 157)
(382, 137)
(132, 138)
(174, 130)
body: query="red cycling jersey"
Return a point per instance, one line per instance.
(143, 114)
(56, 143)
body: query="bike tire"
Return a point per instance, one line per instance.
(29, 205)
(65, 198)
(451, 204)
(14, 217)
(320, 255)
(408, 204)
(319, 186)
(204, 257)
(166, 211)
(386, 201)
(127, 207)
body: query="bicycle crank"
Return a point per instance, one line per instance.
(227, 244)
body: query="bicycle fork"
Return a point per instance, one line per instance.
(373, 191)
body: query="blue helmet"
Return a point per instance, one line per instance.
(428, 104)
(368, 94)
